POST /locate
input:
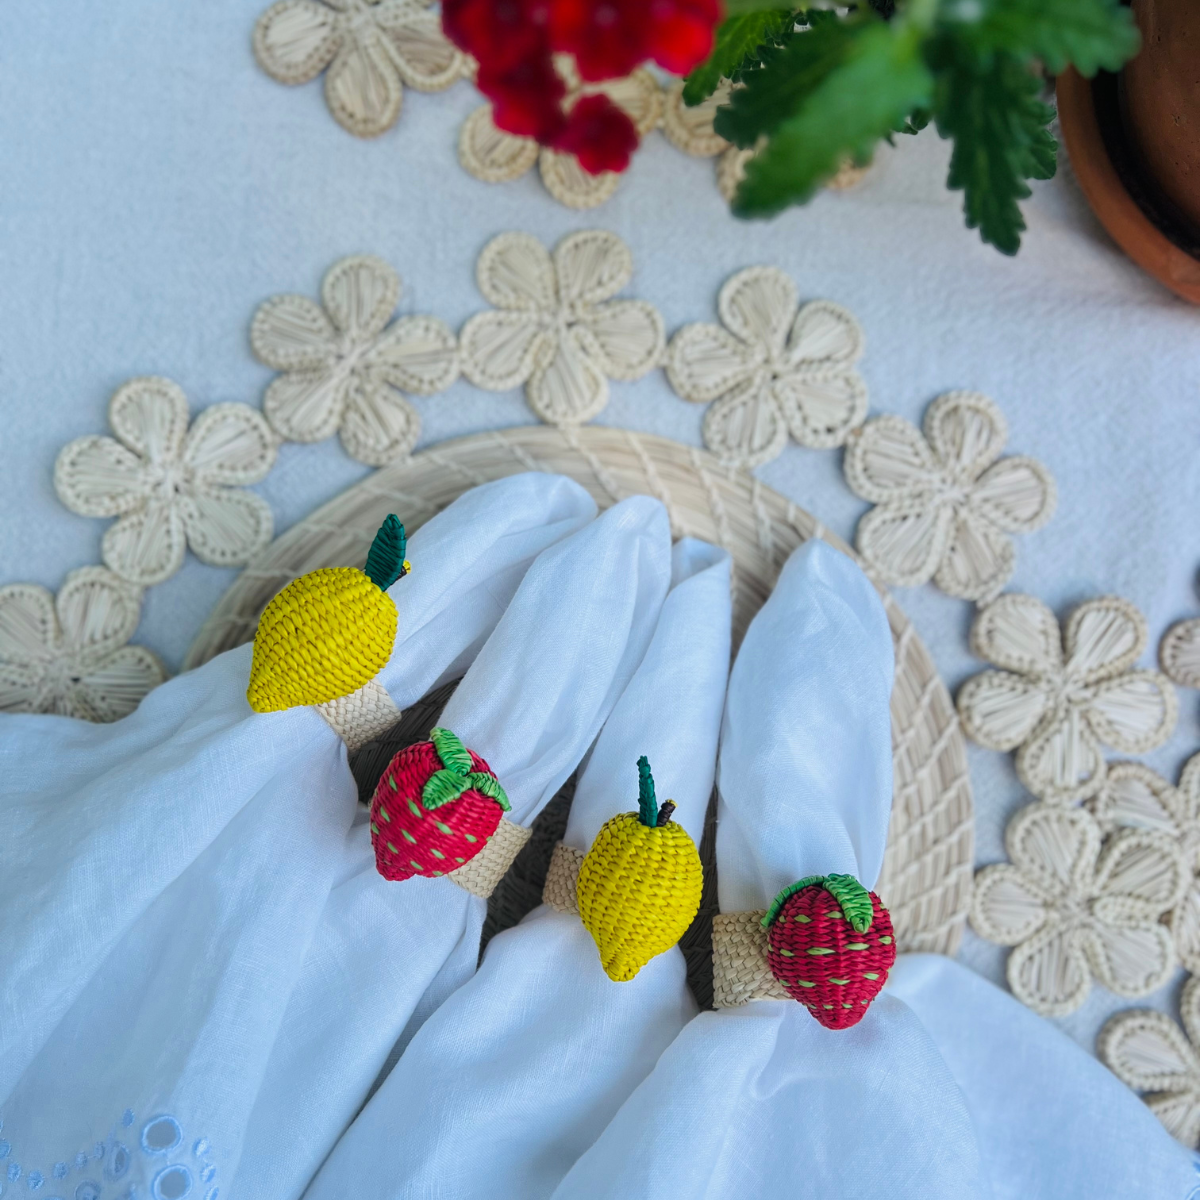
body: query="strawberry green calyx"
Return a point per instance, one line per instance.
(854, 899)
(456, 776)
(385, 560)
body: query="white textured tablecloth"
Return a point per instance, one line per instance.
(156, 187)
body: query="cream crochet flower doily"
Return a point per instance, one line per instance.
(372, 48)
(345, 369)
(555, 328)
(771, 368)
(1135, 797)
(1149, 1052)
(171, 486)
(66, 654)
(946, 501)
(1061, 696)
(1072, 911)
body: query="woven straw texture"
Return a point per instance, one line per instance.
(926, 880)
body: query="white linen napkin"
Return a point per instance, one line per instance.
(161, 878)
(1050, 1120)
(511, 1079)
(761, 1100)
(531, 704)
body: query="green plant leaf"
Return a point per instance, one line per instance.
(788, 75)
(990, 107)
(854, 899)
(1087, 34)
(738, 43)
(879, 78)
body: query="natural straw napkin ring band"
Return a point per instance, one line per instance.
(483, 872)
(562, 879)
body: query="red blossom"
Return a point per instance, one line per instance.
(607, 37)
(501, 33)
(681, 32)
(599, 134)
(526, 99)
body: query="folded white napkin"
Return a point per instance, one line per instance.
(512, 1078)
(531, 705)
(1049, 1119)
(761, 1100)
(161, 879)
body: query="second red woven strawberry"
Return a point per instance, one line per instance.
(436, 806)
(831, 945)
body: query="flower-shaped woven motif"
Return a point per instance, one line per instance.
(67, 655)
(1135, 797)
(494, 156)
(554, 328)
(1149, 1052)
(1179, 653)
(774, 368)
(945, 504)
(1073, 911)
(171, 487)
(1061, 696)
(344, 370)
(374, 46)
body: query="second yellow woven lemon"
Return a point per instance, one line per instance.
(639, 885)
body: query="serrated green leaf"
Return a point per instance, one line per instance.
(990, 108)
(788, 76)
(880, 79)
(738, 43)
(1087, 34)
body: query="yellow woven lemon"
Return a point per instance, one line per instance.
(639, 885)
(330, 631)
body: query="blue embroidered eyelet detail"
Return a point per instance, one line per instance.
(89, 1189)
(35, 1180)
(98, 1151)
(161, 1135)
(14, 1171)
(127, 1118)
(208, 1174)
(60, 1170)
(171, 1183)
(212, 1194)
(202, 1147)
(118, 1163)
(4, 1148)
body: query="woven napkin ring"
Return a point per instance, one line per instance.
(637, 889)
(825, 941)
(324, 638)
(438, 809)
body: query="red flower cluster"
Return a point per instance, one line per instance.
(514, 42)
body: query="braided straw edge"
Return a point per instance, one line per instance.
(928, 866)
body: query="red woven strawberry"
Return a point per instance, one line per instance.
(436, 806)
(831, 946)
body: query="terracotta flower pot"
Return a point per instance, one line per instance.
(1134, 144)
(1160, 102)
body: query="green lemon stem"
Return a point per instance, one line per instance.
(647, 804)
(385, 559)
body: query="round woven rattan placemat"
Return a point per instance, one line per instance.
(926, 880)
